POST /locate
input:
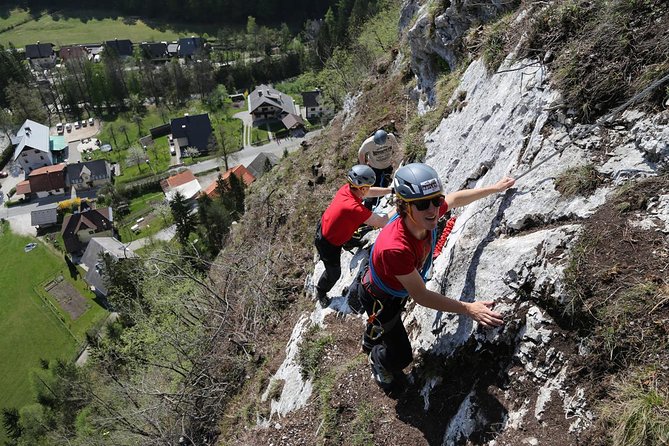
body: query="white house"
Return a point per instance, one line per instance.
(32, 146)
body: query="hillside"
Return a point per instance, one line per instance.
(575, 255)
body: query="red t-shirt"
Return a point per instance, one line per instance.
(397, 252)
(344, 215)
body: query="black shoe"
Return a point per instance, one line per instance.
(323, 299)
(383, 378)
(354, 304)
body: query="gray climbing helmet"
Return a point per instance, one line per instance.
(361, 175)
(416, 181)
(380, 137)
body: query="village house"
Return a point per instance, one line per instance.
(93, 264)
(80, 227)
(262, 164)
(267, 103)
(240, 172)
(44, 181)
(41, 55)
(44, 216)
(120, 47)
(295, 125)
(184, 183)
(189, 48)
(155, 51)
(192, 131)
(314, 104)
(88, 175)
(73, 52)
(32, 146)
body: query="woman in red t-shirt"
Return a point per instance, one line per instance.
(400, 260)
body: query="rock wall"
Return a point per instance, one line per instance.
(436, 40)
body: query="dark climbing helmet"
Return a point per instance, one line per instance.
(380, 137)
(416, 181)
(361, 175)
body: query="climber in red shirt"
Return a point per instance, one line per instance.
(341, 219)
(399, 263)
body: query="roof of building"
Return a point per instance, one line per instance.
(122, 47)
(57, 143)
(239, 171)
(32, 135)
(44, 215)
(39, 50)
(266, 94)
(99, 220)
(47, 178)
(187, 46)
(23, 188)
(177, 180)
(91, 259)
(292, 121)
(185, 183)
(195, 128)
(188, 190)
(98, 169)
(262, 163)
(311, 98)
(154, 50)
(72, 52)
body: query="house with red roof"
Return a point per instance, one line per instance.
(44, 181)
(184, 183)
(240, 172)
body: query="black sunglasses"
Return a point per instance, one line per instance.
(424, 204)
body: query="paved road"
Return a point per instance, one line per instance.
(248, 154)
(165, 235)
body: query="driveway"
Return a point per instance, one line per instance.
(247, 121)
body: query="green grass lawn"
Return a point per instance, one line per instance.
(30, 331)
(81, 26)
(144, 206)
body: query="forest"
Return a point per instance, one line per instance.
(202, 11)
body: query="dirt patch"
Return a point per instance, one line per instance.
(68, 297)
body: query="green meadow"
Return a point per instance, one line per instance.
(31, 328)
(81, 26)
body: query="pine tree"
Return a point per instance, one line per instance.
(184, 220)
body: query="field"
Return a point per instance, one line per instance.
(19, 28)
(31, 329)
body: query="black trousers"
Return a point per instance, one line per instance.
(331, 257)
(392, 348)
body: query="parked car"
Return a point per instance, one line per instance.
(83, 123)
(173, 151)
(3, 174)
(68, 127)
(59, 128)
(76, 124)
(91, 122)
